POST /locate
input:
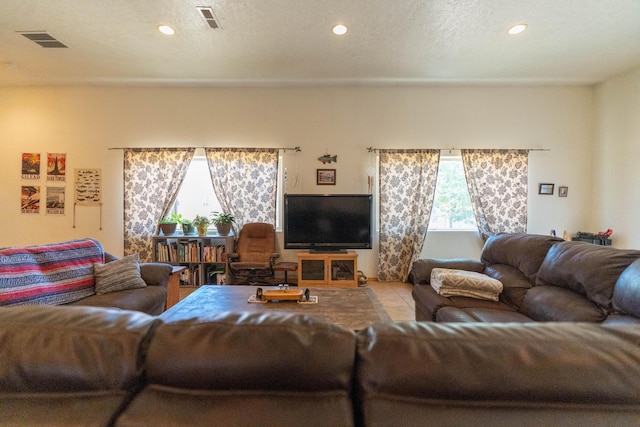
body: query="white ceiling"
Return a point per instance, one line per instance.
(282, 42)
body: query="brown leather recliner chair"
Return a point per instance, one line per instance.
(255, 253)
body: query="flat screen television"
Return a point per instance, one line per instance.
(327, 222)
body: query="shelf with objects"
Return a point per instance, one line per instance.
(601, 238)
(328, 269)
(205, 257)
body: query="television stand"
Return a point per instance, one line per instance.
(336, 269)
(327, 251)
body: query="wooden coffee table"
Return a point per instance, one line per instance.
(351, 308)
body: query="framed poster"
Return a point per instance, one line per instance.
(546, 189)
(56, 166)
(31, 166)
(30, 199)
(563, 191)
(88, 187)
(55, 200)
(326, 177)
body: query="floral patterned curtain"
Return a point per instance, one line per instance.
(407, 188)
(245, 182)
(152, 177)
(497, 181)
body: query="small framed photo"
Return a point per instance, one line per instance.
(546, 189)
(563, 191)
(326, 177)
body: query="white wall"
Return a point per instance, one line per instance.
(616, 193)
(85, 122)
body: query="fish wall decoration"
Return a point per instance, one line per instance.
(328, 158)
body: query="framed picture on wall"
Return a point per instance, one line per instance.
(546, 189)
(326, 177)
(563, 191)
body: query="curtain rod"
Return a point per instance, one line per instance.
(296, 148)
(372, 149)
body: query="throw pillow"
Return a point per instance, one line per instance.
(118, 275)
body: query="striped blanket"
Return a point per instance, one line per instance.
(57, 273)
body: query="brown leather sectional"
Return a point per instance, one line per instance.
(63, 366)
(545, 279)
(149, 300)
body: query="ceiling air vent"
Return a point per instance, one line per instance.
(43, 39)
(207, 13)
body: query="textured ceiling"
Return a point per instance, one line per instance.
(285, 42)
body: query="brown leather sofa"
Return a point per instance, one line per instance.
(544, 279)
(93, 366)
(80, 258)
(149, 300)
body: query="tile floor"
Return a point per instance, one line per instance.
(395, 297)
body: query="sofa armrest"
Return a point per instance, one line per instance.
(421, 269)
(155, 273)
(109, 257)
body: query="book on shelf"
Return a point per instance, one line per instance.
(214, 253)
(194, 275)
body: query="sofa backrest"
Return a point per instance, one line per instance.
(247, 369)
(528, 374)
(69, 365)
(514, 259)
(92, 366)
(576, 282)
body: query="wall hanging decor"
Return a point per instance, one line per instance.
(326, 177)
(56, 166)
(30, 165)
(30, 199)
(55, 200)
(328, 158)
(88, 190)
(546, 189)
(563, 191)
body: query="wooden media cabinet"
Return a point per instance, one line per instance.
(328, 269)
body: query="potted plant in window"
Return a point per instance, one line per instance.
(169, 223)
(223, 222)
(202, 224)
(188, 227)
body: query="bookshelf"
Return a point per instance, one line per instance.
(205, 257)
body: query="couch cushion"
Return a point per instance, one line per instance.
(56, 273)
(588, 269)
(247, 369)
(428, 302)
(514, 283)
(69, 365)
(450, 282)
(118, 275)
(498, 374)
(454, 314)
(524, 252)
(626, 294)
(150, 300)
(554, 304)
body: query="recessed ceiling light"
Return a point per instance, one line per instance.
(339, 30)
(166, 30)
(517, 29)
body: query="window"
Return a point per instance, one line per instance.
(451, 205)
(196, 196)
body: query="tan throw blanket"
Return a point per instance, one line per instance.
(449, 282)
